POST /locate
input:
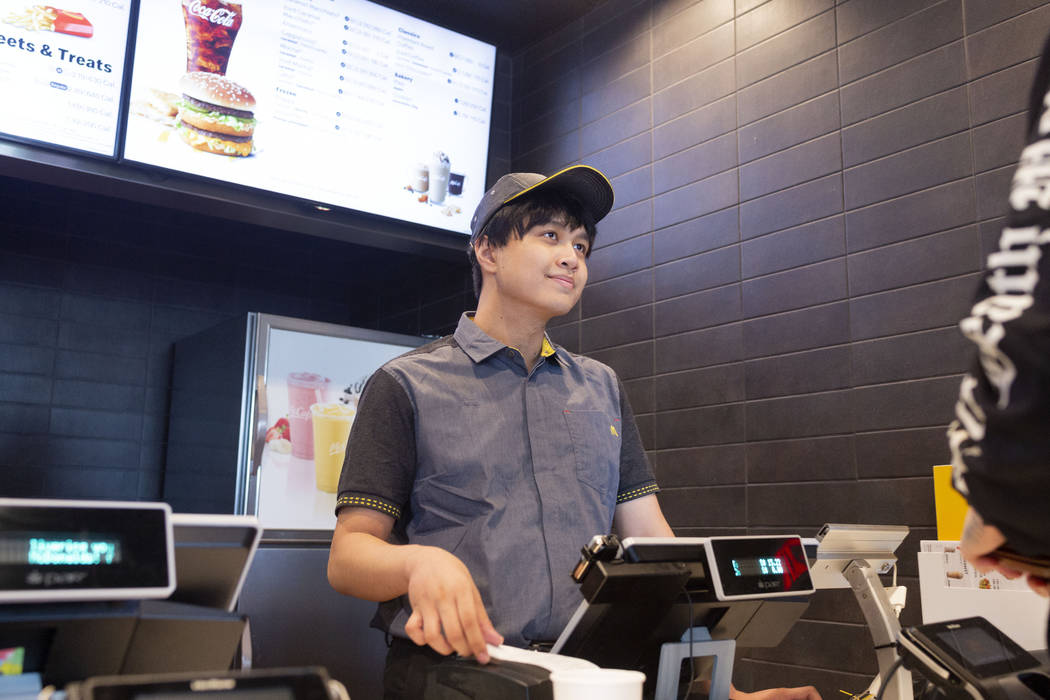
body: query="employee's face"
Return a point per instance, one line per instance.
(545, 268)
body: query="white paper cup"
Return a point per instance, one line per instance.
(597, 684)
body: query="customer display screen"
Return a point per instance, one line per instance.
(50, 548)
(339, 102)
(760, 566)
(62, 71)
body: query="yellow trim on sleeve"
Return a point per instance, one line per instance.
(637, 493)
(367, 502)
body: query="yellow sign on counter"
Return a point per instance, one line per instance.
(951, 506)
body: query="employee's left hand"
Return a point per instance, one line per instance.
(806, 692)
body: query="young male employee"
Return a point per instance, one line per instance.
(479, 464)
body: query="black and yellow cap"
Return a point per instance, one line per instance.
(586, 184)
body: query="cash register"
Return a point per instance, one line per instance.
(84, 588)
(651, 604)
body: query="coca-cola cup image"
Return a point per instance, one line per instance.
(304, 390)
(211, 28)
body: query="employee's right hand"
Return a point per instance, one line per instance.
(447, 612)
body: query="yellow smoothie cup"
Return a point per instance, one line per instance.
(331, 422)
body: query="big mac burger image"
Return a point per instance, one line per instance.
(215, 114)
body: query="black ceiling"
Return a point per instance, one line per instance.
(511, 25)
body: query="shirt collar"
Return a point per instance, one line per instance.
(479, 345)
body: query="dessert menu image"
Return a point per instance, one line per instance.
(313, 383)
(65, 63)
(338, 102)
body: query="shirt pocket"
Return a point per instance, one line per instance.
(595, 440)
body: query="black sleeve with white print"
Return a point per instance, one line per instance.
(1000, 439)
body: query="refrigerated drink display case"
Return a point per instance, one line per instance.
(261, 410)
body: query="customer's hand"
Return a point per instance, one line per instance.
(979, 539)
(447, 612)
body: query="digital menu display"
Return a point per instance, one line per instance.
(62, 69)
(339, 102)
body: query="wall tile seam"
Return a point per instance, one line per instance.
(895, 244)
(929, 280)
(609, 314)
(675, 450)
(680, 489)
(557, 40)
(821, 176)
(902, 150)
(925, 377)
(738, 17)
(901, 382)
(699, 290)
(784, 68)
(974, 274)
(750, 242)
(905, 334)
(741, 162)
(580, 123)
(884, 431)
(852, 125)
(916, 147)
(847, 212)
(976, 34)
(998, 22)
(910, 59)
(593, 59)
(616, 144)
(785, 108)
(678, 188)
(900, 19)
(796, 268)
(689, 77)
(691, 146)
(705, 36)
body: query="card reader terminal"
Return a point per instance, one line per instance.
(970, 658)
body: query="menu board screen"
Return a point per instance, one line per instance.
(62, 69)
(340, 102)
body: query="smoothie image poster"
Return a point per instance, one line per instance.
(313, 383)
(65, 64)
(341, 102)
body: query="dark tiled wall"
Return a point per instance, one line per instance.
(94, 291)
(806, 191)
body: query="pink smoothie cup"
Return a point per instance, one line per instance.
(304, 390)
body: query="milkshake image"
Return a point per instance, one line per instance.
(331, 428)
(304, 390)
(439, 168)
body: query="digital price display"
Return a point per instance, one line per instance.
(62, 68)
(758, 567)
(84, 550)
(69, 550)
(342, 102)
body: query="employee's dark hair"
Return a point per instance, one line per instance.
(531, 210)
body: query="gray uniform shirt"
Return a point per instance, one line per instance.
(512, 471)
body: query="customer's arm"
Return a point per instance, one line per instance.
(447, 612)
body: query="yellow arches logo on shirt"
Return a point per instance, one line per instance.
(612, 429)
